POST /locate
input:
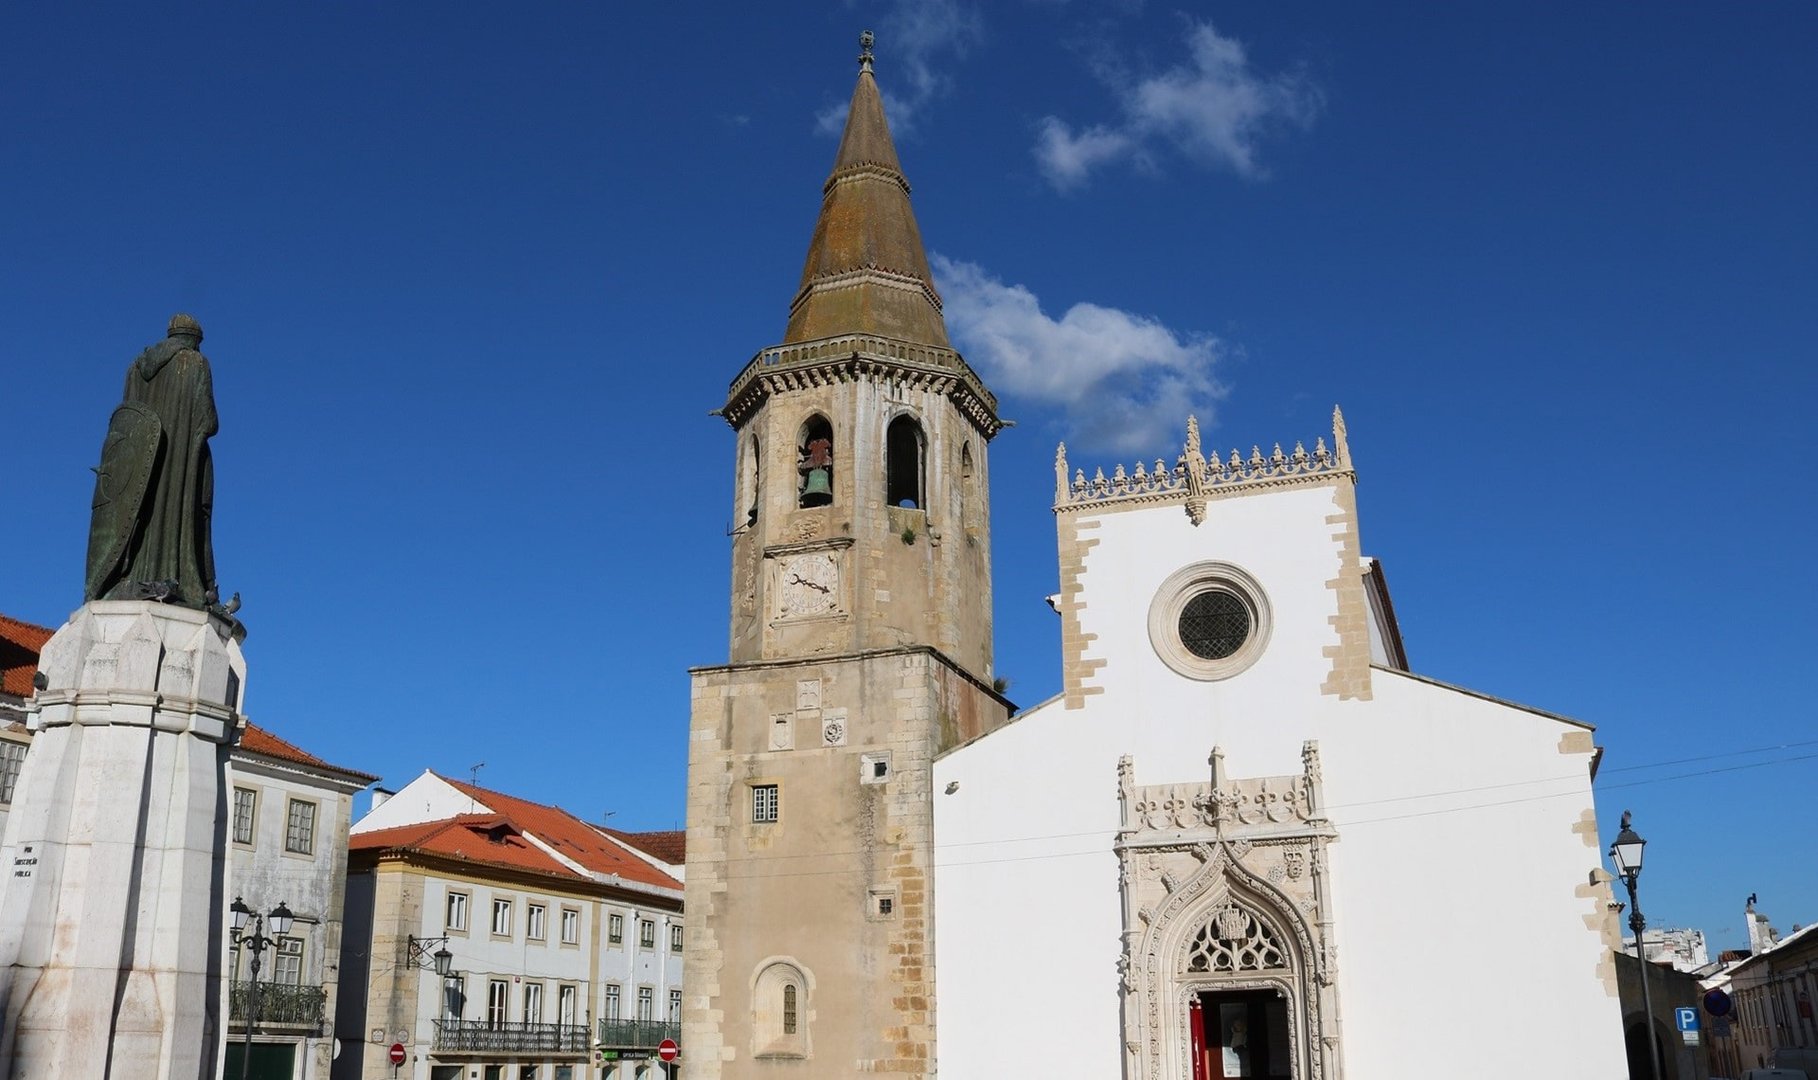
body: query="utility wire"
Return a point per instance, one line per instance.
(1346, 825)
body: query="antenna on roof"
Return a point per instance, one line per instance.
(473, 773)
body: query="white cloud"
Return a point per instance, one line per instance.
(1215, 109)
(1125, 381)
(912, 39)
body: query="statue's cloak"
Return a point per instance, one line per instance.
(169, 536)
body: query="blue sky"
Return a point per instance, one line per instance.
(472, 279)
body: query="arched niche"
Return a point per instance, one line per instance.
(780, 1009)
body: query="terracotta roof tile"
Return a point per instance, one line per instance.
(257, 740)
(481, 838)
(20, 644)
(669, 845)
(571, 836)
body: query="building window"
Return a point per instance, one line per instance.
(571, 926)
(754, 479)
(615, 929)
(535, 916)
(528, 1072)
(646, 1004)
(903, 463)
(246, 804)
(567, 998)
(612, 1001)
(533, 1003)
(780, 1011)
(457, 912)
(646, 934)
(12, 758)
(501, 918)
(498, 996)
(675, 1006)
(675, 939)
(300, 827)
(814, 463)
(288, 966)
(454, 997)
(970, 518)
(764, 802)
(1214, 624)
(1209, 621)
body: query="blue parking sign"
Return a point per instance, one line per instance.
(1686, 1017)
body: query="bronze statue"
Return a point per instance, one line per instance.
(149, 537)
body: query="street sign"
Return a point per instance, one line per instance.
(1717, 1003)
(1686, 1017)
(397, 1053)
(667, 1050)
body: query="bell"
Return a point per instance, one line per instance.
(817, 491)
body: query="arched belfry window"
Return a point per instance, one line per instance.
(814, 463)
(903, 474)
(753, 479)
(969, 498)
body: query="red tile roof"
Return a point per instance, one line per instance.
(569, 835)
(669, 845)
(481, 838)
(257, 740)
(20, 644)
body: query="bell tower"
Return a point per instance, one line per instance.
(860, 649)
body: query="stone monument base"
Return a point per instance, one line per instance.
(112, 916)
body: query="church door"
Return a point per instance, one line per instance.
(1242, 1034)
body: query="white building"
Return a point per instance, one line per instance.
(564, 940)
(287, 841)
(1257, 842)
(1681, 947)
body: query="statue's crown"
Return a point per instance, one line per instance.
(184, 324)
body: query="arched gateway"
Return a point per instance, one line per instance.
(1227, 962)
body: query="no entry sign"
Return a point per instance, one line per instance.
(667, 1050)
(397, 1053)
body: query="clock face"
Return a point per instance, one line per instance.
(809, 585)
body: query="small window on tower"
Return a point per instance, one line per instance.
(903, 463)
(814, 463)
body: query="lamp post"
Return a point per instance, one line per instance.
(248, 929)
(1626, 854)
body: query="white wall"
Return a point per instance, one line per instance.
(1027, 904)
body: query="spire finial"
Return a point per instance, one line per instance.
(866, 38)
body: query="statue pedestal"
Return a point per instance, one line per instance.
(112, 918)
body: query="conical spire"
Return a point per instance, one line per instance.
(866, 271)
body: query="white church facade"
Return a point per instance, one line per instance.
(1244, 841)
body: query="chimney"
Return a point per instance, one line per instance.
(379, 798)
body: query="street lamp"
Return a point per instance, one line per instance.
(1626, 854)
(417, 950)
(245, 919)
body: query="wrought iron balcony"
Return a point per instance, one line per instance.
(637, 1034)
(280, 1005)
(501, 1037)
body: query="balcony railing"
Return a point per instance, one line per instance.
(489, 1037)
(637, 1034)
(280, 1004)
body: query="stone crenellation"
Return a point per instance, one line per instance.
(1194, 476)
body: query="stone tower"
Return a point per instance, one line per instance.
(860, 650)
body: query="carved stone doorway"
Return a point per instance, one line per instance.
(1228, 964)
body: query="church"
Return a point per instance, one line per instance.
(1245, 840)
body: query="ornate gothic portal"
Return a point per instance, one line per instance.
(1228, 964)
